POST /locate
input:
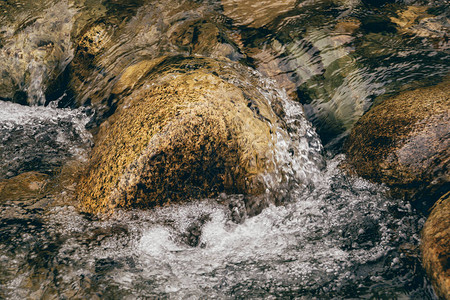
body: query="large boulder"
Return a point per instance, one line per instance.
(195, 129)
(106, 45)
(404, 142)
(436, 247)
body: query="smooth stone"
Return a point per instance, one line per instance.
(29, 185)
(180, 135)
(253, 13)
(436, 247)
(404, 142)
(102, 48)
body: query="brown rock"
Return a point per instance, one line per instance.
(347, 26)
(436, 246)
(108, 45)
(407, 18)
(414, 20)
(25, 186)
(404, 142)
(255, 13)
(184, 134)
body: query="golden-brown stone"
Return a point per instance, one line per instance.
(24, 186)
(415, 20)
(407, 18)
(347, 26)
(436, 246)
(190, 134)
(255, 13)
(404, 142)
(131, 76)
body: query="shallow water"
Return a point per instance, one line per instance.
(344, 239)
(334, 235)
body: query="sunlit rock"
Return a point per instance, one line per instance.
(182, 134)
(404, 142)
(107, 45)
(436, 247)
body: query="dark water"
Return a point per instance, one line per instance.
(338, 237)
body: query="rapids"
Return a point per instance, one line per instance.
(335, 235)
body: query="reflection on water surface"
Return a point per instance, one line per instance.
(340, 237)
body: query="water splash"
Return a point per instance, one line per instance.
(40, 138)
(344, 238)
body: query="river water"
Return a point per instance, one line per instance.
(337, 236)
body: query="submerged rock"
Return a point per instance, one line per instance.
(29, 185)
(185, 132)
(436, 247)
(108, 44)
(34, 53)
(416, 21)
(404, 142)
(255, 13)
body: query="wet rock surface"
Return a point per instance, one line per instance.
(255, 13)
(28, 185)
(436, 247)
(335, 236)
(191, 134)
(115, 39)
(404, 143)
(34, 54)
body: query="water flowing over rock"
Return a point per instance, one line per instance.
(436, 246)
(194, 130)
(255, 13)
(110, 43)
(32, 56)
(40, 139)
(337, 59)
(414, 20)
(28, 185)
(190, 105)
(404, 142)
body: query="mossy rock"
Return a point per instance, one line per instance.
(182, 135)
(436, 247)
(404, 142)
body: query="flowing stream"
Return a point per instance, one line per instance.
(336, 236)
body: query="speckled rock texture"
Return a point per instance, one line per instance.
(178, 135)
(404, 142)
(436, 246)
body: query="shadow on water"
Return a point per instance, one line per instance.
(340, 237)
